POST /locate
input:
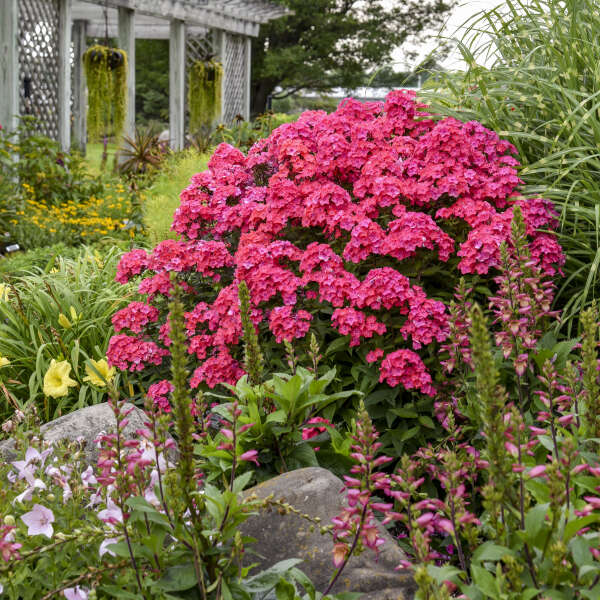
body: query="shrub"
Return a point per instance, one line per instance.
(58, 314)
(541, 93)
(354, 225)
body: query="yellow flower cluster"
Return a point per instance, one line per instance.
(88, 220)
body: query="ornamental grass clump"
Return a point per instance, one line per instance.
(539, 90)
(354, 225)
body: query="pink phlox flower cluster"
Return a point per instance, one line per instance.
(131, 353)
(135, 317)
(159, 393)
(219, 368)
(287, 324)
(406, 367)
(319, 214)
(349, 321)
(131, 264)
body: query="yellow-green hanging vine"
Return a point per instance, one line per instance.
(106, 74)
(204, 93)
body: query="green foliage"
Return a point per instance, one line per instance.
(162, 197)
(326, 44)
(142, 154)
(61, 311)
(542, 94)
(36, 164)
(152, 81)
(279, 409)
(106, 77)
(204, 93)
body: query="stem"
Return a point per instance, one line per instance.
(461, 556)
(347, 558)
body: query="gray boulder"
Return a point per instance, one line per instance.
(316, 492)
(87, 423)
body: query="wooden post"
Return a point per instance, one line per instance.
(79, 87)
(177, 84)
(127, 43)
(219, 49)
(248, 79)
(64, 75)
(9, 65)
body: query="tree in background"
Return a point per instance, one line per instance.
(152, 80)
(332, 43)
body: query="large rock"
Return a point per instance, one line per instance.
(316, 492)
(86, 423)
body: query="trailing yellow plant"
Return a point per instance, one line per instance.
(106, 73)
(204, 93)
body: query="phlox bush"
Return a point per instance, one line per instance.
(352, 224)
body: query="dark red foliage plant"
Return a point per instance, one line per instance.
(348, 224)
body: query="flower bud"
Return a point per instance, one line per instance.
(9, 520)
(51, 497)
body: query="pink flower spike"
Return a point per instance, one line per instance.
(250, 456)
(39, 520)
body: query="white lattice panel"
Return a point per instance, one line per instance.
(234, 74)
(38, 63)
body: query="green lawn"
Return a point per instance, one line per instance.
(162, 198)
(93, 157)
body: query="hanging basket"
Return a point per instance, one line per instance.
(106, 74)
(204, 93)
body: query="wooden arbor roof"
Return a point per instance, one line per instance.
(42, 42)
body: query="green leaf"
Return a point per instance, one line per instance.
(302, 456)
(178, 578)
(535, 520)
(241, 481)
(338, 344)
(572, 527)
(446, 573)
(491, 552)
(485, 581)
(426, 421)
(284, 590)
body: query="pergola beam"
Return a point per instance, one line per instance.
(177, 85)
(79, 87)
(127, 43)
(240, 22)
(64, 74)
(9, 65)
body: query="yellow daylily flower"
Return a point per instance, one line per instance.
(103, 375)
(4, 361)
(64, 322)
(56, 380)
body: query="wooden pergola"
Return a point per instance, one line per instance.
(42, 43)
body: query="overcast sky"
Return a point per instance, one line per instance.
(461, 13)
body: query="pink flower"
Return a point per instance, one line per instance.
(537, 471)
(250, 456)
(76, 593)
(39, 521)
